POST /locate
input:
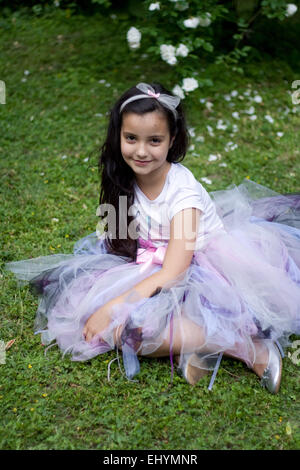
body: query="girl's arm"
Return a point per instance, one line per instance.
(178, 257)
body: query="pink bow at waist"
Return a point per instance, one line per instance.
(150, 254)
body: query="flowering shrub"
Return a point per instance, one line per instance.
(181, 31)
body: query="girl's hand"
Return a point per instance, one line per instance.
(97, 322)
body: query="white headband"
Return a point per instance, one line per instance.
(170, 102)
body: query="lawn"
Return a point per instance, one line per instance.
(62, 74)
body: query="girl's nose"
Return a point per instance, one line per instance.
(141, 150)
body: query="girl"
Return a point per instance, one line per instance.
(174, 272)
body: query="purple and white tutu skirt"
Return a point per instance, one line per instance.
(243, 284)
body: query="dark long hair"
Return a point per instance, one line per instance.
(117, 178)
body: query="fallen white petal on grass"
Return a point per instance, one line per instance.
(257, 99)
(206, 180)
(191, 131)
(209, 105)
(230, 146)
(221, 125)
(210, 131)
(269, 118)
(251, 110)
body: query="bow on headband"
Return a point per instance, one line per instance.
(170, 102)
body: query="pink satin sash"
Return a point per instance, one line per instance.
(149, 254)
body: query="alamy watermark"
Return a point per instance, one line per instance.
(118, 227)
(2, 92)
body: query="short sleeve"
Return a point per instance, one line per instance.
(185, 198)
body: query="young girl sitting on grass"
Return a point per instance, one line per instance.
(175, 272)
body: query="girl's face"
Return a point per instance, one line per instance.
(145, 142)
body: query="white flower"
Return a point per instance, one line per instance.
(269, 118)
(291, 9)
(212, 158)
(223, 164)
(280, 134)
(26, 72)
(191, 22)
(234, 93)
(192, 147)
(257, 99)
(191, 131)
(154, 6)
(64, 157)
(205, 21)
(236, 115)
(134, 38)
(182, 50)
(227, 97)
(251, 110)
(253, 117)
(178, 91)
(86, 159)
(235, 128)
(200, 138)
(54, 219)
(189, 84)
(102, 81)
(206, 180)
(209, 105)
(167, 53)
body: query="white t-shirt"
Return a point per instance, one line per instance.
(181, 191)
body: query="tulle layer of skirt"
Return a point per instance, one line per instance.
(242, 285)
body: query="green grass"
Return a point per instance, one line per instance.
(50, 402)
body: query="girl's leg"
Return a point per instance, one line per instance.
(189, 337)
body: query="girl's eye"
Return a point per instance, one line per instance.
(130, 138)
(155, 140)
